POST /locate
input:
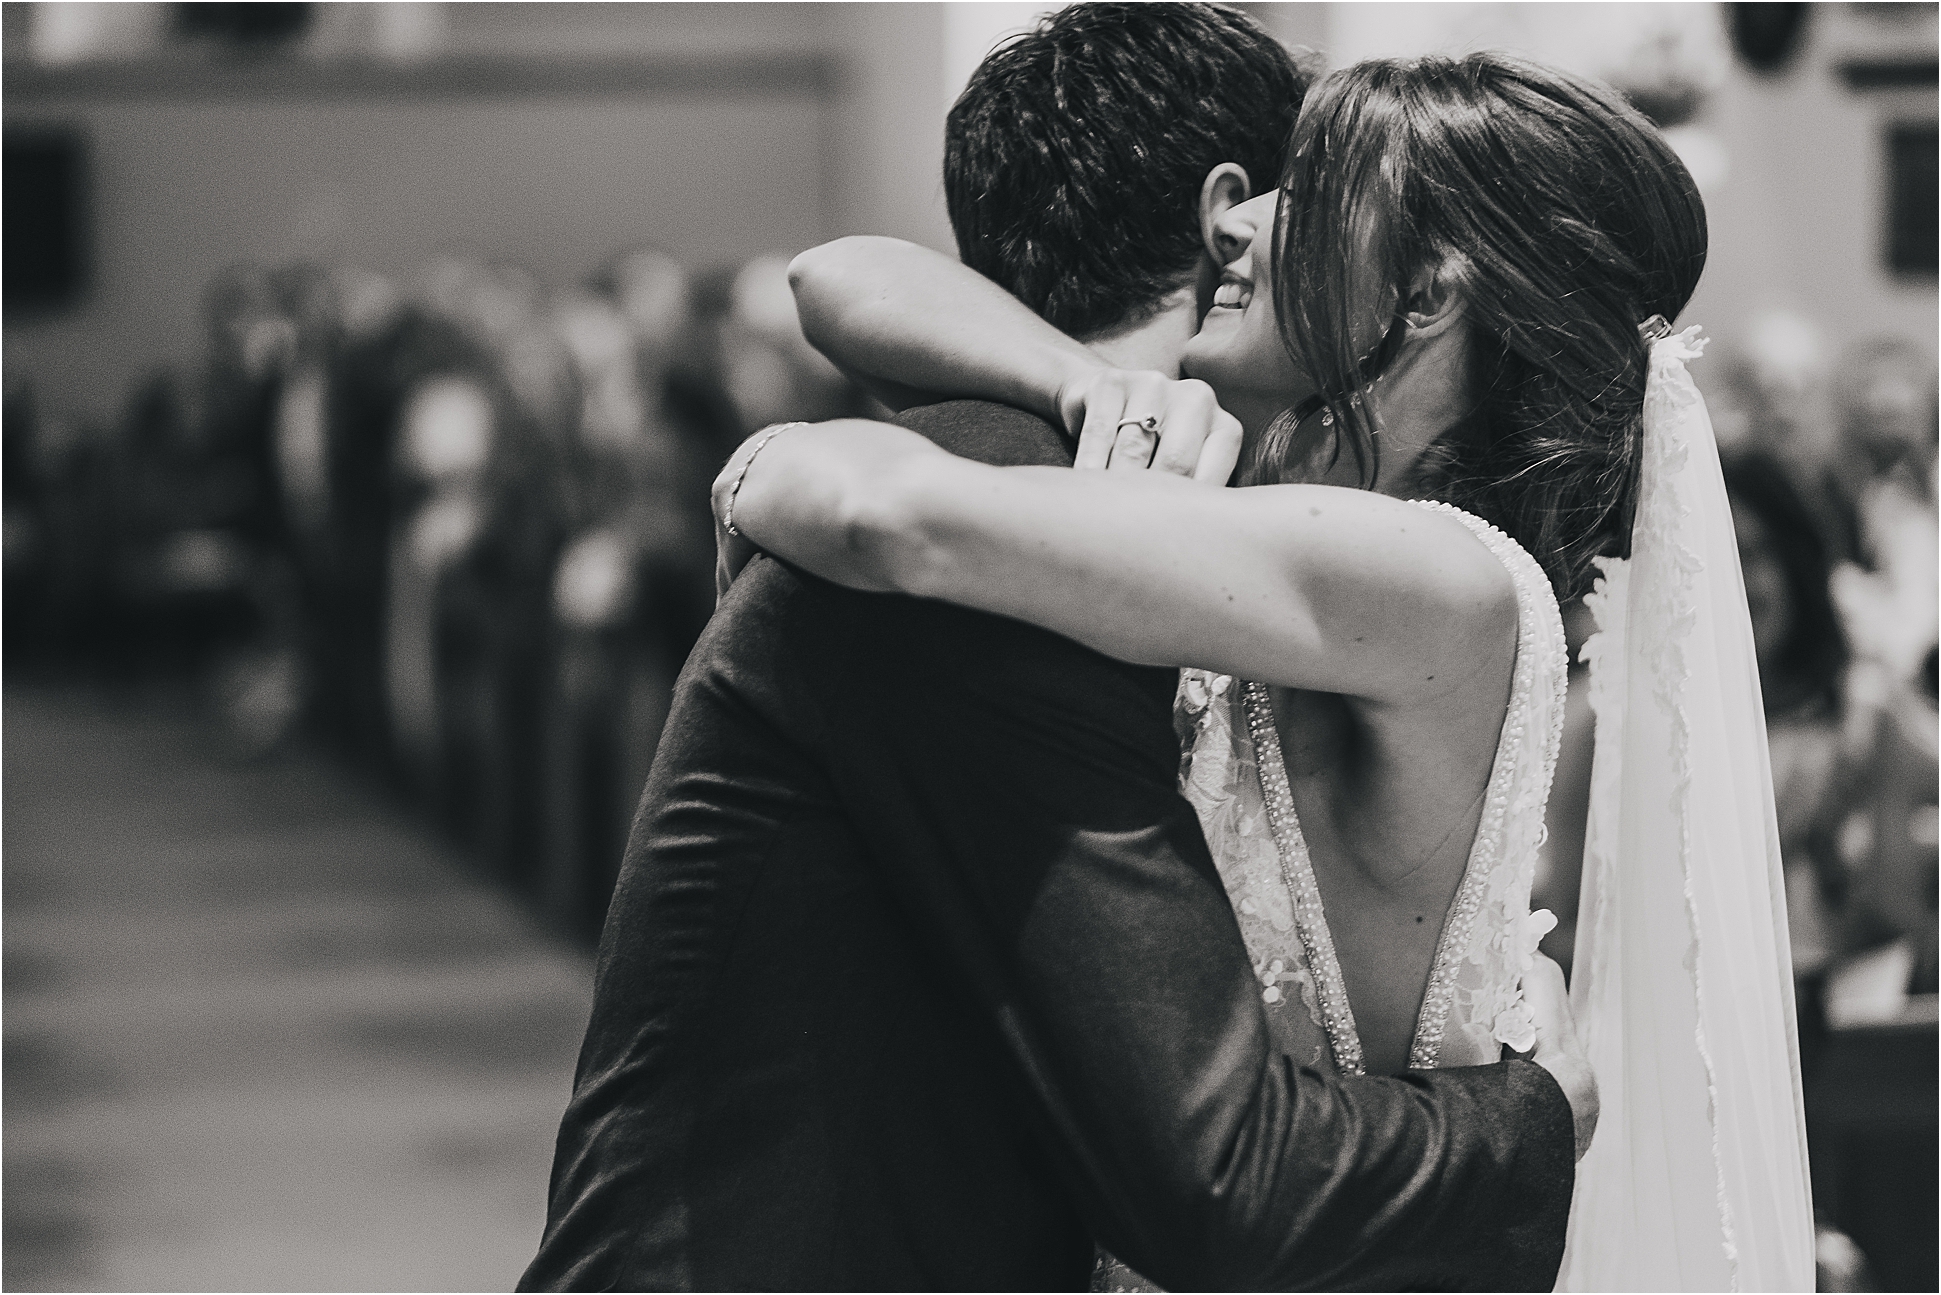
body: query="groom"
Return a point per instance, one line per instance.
(918, 974)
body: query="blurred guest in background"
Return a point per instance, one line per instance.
(1803, 656)
(1870, 1096)
(28, 543)
(632, 586)
(1879, 481)
(370, 379)
(1854, 776)
(768, 367)
(200, 578)
(341, 312)
(446, 432)
(480, 458)
(61, 520)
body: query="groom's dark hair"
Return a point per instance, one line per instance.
(1073, 160)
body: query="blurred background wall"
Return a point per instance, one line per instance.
(556, 133)
(553, 135)
(385, 133)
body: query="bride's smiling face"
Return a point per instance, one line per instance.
(1238, 350)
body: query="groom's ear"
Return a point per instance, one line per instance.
(1225, 188)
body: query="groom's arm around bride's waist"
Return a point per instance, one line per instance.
(1032, 816)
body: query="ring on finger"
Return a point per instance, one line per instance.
(1149, 423)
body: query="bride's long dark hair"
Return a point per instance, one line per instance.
(1561, 218)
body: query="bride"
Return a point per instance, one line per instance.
(1458, 401)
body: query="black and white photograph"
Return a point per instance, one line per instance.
(1130, 645)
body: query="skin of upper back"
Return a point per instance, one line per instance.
(1389, 798)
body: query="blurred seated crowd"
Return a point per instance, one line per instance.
(1838, 543)
(455, 527)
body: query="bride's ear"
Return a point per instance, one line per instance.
(1225, 188)
(1435, 301)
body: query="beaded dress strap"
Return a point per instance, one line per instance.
(1539, 652)
(1297, 874)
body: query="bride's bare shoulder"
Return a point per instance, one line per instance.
(1450, 587)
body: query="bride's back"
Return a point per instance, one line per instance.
(1389, 807)
(1379, 856)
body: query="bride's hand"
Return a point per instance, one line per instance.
(1126, 418)
(731, 552)
(1558, 1049)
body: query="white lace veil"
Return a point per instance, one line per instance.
(1682, 978)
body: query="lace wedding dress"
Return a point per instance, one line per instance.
(1233, 776)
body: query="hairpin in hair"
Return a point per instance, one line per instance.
(1654, 328)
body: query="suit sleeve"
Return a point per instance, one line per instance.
(1020, 792)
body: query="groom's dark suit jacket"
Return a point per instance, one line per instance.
(919, 976)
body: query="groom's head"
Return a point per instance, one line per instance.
(1075, 160)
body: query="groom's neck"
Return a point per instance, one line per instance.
(1158, 340)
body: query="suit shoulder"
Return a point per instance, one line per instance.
(980, 415)
(990, 433)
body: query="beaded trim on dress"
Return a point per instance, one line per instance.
(1502, 862)
(1489, 934)
(1297, 874)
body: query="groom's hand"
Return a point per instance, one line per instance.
(1137, 419)
(1558, 1049)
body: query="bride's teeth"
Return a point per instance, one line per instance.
(1230, 294)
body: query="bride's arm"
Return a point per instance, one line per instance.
(900, 313)
(1307, 586)
(914, 325)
